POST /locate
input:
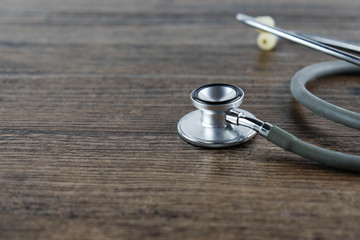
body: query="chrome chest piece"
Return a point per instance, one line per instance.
(207, 126)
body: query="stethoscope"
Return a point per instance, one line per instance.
(219, 122)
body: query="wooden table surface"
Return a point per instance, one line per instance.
(90, 96)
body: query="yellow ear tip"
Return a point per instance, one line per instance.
(267, 20)
(266, 41)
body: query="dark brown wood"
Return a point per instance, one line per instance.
(90, 95)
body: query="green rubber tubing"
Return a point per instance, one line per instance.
(324, 156)
(335, 113)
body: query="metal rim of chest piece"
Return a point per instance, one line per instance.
(207, 126)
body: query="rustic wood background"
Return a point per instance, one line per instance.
(90, 96)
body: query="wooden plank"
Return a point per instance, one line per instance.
(90, 95)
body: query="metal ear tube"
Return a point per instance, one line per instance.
(302, 39)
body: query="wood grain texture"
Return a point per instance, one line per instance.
(90, 95)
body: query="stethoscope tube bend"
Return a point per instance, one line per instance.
(317, 105)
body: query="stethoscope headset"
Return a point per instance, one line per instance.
(219, 123)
